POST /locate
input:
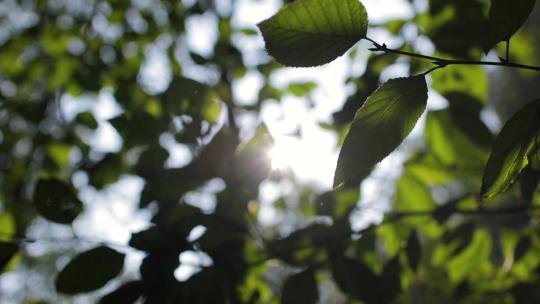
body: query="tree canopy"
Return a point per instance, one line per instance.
(97, 98)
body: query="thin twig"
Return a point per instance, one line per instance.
(443, 62)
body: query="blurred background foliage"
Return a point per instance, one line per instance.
(98, 96)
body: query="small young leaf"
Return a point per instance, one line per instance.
(505, 19)
(90, 270)
(380, 125)
(300, 288)
(512, 149)
(56, 201)
(314, 32)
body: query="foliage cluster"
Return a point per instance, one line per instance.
(463, 223)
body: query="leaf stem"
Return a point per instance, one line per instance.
(443, 62)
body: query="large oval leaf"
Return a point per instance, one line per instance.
(513, 148)
(380, 125)
(56, 201)
(505, 19)
(314, 32)
(90, 270)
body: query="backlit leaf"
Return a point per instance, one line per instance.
(90, 270)
(380, 125)
(512, 149)
(314, 32)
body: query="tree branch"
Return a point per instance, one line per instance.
(443, 62)
(391, 218)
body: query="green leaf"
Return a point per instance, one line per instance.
(7, 251)
(505, 19)
(87, 119)
(300, 288)
(380, 125)
(56, 201)
(451, 145)
(512, 149)
(127, 293)
(90, 270)
(314, 32)
(471, 259)
(468, 79)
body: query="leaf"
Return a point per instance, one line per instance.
(56, 201)
(314, 32)
(390, 280)
(451, 145)
(7, 251)
(90, 270)
(528, 182)
(470, 260)
(300, 288)
(87, 119)
(468, 79)
(522, 247)
(414, 251)
(128, 293)
(380, 125)
(505, 19)
(355, 279)
(511, 151)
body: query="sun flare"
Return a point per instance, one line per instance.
(306, 158)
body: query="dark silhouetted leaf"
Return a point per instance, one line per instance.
(56, 201)
(505, 19)
(314, 32)
(414, 250)
(90, 270)
(512, 150)
(125, 294)
(453, 35)
(528, 182)
(7, 251)
(390, 280)
(390, 113)
(522, 247)
(300, 288)
(355, 279)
